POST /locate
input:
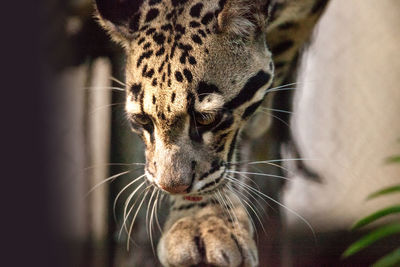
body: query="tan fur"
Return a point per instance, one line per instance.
(230, 54)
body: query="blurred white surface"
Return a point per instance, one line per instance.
(347, 113)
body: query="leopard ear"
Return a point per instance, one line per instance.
(244, 18)
(119, 17)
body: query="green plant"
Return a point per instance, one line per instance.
(392, 258)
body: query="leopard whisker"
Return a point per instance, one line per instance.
(122, 190)
(265, 161)
(274, 116)
(252, 209)
(277, 110)
(126, 205)
(112, 164)
(148, 211)
(226, 194)
(224, 205)
(105, 106)
(111, 178)
(242, 193)
(260, 174)
(280, 89)
(277, 166)
(250, 193)
(278, 203)
(104, 88)
(158, 206)
(117, 81)
(136, 213)
(151, 219)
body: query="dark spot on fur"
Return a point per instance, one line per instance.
(196, 10)
(186, 47)
(152, 14)
(249, 90)
(136, 89)
(169, 69)
(251, 109)
(232, 146)
(202, 33)
(160, 52)
(204, 89)
(188, 75)
(146, 46)
(282, 47)
(146, 73)
(161, 67)
(280, 64)
(288, 25)
(154, 99)
(143, 56)
(182, 59)
(159, 38)
(207, 18)
(144, 27)
(154, 2)
(194, 24)
(176, 3)
(166, 27)
(154, 82)
(173, 50)
(150, 31)
(173, 97)
(178, 76)
(192, 60)
(197, 39)
(141, 40)
(134, 23)
(179, 28)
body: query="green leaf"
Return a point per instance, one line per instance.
(375, 216)
(385, 191)
(390, 260)
(371, 238)
(393, 159)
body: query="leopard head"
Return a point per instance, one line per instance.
(195, 72)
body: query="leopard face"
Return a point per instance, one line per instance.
(196, 71)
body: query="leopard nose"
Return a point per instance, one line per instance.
(178, 189)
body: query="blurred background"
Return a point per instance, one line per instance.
(345, 122)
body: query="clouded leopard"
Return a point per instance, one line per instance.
(196, 72)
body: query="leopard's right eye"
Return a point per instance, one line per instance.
(141, 119)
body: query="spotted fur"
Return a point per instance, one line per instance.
(191, 62)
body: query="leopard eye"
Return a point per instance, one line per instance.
(206, 119)
(141, 119)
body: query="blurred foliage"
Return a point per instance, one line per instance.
(393, 258)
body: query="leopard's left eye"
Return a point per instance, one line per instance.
(207, 119)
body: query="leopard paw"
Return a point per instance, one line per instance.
(210, 240)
